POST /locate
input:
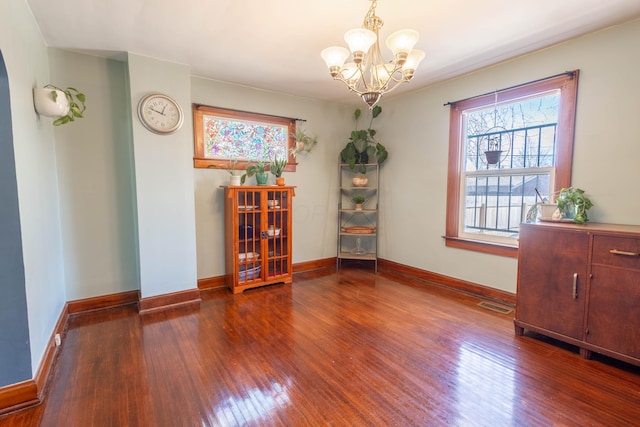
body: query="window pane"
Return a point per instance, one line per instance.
(495, 204)
(226, 138)
(518, 134)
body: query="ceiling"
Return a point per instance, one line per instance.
(275, 44)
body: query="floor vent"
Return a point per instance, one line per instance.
(495, 307)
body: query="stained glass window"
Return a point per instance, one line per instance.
(227, 135)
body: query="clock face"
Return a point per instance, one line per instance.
(160, 113)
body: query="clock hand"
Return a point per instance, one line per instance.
(156, 111)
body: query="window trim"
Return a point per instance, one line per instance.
(568, 85)
(199, 159)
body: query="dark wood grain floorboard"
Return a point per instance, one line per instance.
(334, 349)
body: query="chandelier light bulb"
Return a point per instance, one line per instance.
(401, 43)
(334, 57)
(359, 41)
(413, 60)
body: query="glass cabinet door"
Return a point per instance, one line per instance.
(249, 242)
(277, 233)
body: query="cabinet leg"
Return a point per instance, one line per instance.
(585, 354)
(519, 330)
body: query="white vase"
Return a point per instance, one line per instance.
(360, 180)
(235, 179)
(46, 106)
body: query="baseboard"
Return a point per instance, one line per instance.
(449, 282)
(18, 396)
(31, 392)
(475, 289)
(104, 301)
(211, 283)
(161, 302)
(217, 282)
(314, 265)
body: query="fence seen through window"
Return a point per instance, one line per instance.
(508, 153)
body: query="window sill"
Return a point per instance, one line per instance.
(480, 246)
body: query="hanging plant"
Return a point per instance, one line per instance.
(304, 142)
(76, 104)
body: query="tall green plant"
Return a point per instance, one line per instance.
(362, 146)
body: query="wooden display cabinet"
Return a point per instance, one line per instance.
(581, 284)
(257, 236)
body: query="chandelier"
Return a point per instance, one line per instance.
(368, 74)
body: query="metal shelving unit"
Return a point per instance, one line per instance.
(358, 228)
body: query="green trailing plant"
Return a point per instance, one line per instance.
(574, 204)
(252, 169)
(76, 104)
(277, 166)
(304, 142)
(362, 147)
(358, 199)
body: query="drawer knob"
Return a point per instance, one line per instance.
(623, 253)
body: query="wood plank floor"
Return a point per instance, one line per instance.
(345, 349)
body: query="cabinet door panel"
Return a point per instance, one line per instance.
(614, 310)
(548, 261)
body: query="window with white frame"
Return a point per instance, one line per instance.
(503, 147)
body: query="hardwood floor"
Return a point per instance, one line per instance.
(345, 349)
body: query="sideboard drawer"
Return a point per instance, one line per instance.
(616, 251)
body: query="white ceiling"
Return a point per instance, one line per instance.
(275, 44)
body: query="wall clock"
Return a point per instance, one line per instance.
(160, 113)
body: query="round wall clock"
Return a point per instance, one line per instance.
(160, 114)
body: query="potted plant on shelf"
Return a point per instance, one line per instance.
(64, 104)
(277, 167)
(570, 204)
(358, 200)
(233, 171)
(574, 204)
(304, 142)
(362, 147)
(259, 170)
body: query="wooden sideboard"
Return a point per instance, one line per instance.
(581, 284)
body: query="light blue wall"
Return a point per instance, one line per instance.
(163, 177)
(15, 360)
(95, 178)
(27, 65)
